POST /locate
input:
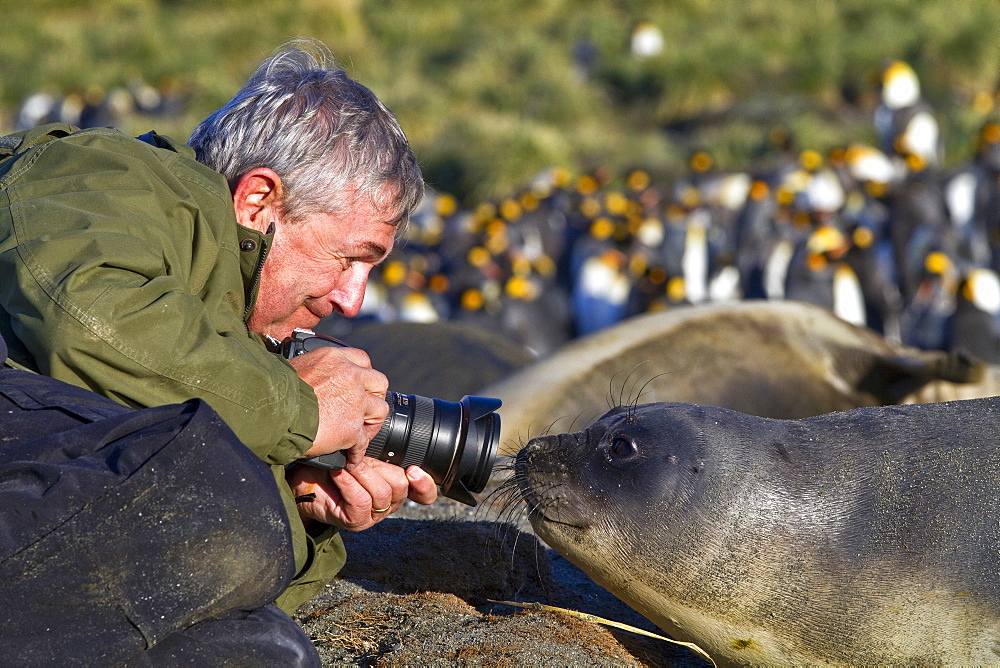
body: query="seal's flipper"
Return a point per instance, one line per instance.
(891, 379)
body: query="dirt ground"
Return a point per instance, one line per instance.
(421, 588)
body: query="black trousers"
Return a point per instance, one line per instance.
(136, 537)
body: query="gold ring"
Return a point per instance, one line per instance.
(383, 510)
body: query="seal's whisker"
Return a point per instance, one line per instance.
(572, 425)
(513, 552)
(540, 553)
(542, 498)
(632, 392)
(504, 496)
(507, 496)
(621, 391)
(635, 400)
(505, 502)
(552, 425)
(611, 391)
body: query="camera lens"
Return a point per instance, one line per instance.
(454, 442)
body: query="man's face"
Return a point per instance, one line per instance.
(320, 266)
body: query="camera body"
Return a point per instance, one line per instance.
(454, 442)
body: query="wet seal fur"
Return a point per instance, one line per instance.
(865, 537)
(769, 358)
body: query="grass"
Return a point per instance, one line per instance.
(491, 93)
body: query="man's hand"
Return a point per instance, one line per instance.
(351, 399)
(360, 495)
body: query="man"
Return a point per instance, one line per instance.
(130, 268)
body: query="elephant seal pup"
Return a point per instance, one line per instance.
(865, 537)
(768, 358)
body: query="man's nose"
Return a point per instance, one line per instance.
(349, 293)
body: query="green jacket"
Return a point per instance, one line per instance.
(123, 270)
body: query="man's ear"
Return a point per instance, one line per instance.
(258, 198)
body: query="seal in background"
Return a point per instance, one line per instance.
(771, 359)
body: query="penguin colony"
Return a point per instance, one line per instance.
(881, 235)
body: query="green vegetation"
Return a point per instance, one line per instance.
(490, 94)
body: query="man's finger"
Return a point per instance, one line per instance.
(422, 488)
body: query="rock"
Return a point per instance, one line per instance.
(425, 592)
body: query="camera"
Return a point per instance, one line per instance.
(454, 442)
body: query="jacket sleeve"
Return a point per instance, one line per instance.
(122, 278)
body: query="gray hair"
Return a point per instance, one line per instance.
(327, 136)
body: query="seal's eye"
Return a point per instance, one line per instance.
(622, 448)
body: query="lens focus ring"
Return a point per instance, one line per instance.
(377, 444)
(420, 431)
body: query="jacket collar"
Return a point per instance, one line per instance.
(254, 248)
(163, 141)
(253, 245)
